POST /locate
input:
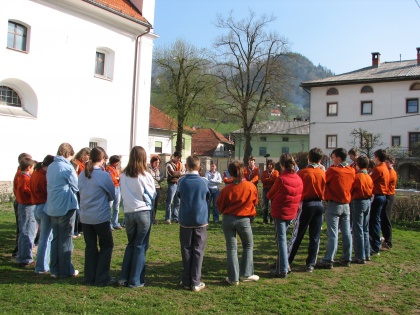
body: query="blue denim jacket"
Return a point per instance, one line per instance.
(61, 187)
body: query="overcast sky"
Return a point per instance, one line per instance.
(338, 34)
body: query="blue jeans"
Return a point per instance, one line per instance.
(27, 228)
(45, 237)
(214, 193)
(337, 215)
(172, 203)
(309, 216)
(193, 242)
(62, 245)
(97, 262)
(233, 225)
(137, 226)
(360, 216)
(281, 239)
(375, 222)
(115, 207)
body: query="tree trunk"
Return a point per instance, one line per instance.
(178, 145)
(247, 145)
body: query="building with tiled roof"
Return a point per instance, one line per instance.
(381, 99)
(162, 134)
(209, 142)
(75, 71)
(274, 138)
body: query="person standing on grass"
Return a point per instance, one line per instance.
(193, 193)
(115, 173)
(237, 203)
(155, 171)
(285, 196)
(339, 182)
(138, 193)
(361, 193)
(380, 177)
(174, 171)
(214, 180)
(27, 223)
(268, 178)
(38, 185)
(386, 225)
(62, 187)
(96, 191)
(311, 210)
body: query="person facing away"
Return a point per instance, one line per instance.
(268, 178)
(380, 177)
(311, 210)
(96, 191)
(138, 192)
(27, 224)
(39, 198)
(214, 180)
(174, 171)
(386, 226)
(339, 181)
(237, 203)
(361, 193)
(62, 189)
(193, 193)
(285, 195)
(115, 173)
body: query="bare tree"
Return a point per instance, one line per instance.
(183, 81)
(250, 75)
(365, 141)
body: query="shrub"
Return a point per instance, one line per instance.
(406, 208)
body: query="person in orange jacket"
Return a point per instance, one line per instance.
(252, 172)
(386, 226)
(268, 178)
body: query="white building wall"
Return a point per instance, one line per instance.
(72, 104)
(163, 136)
(389, 117)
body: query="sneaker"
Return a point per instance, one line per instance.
(118, 227)
(384, 246)
(372, 253)
(122, 283)
(41, 272)
(168, 221)
(368, 258)
(324, 265)
(199, 287)
(28, 265)
(53, 276)
(345, 263)
(76, 273)
(309, 268)
(282, 274)
(358, 261)
(141, 285)
(232, 282)
(254, 278)
(186, 287)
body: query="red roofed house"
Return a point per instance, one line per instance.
(162, 134)
(209, 142)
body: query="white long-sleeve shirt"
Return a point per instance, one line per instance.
(137, 192)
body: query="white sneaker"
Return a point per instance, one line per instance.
(168, 221)
(76, 273)
(232, 282)
(199, 287)
(254, 278)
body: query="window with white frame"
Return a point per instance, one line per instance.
(332, 91)
(158, 146)
(366, 108)
(332, 109)
(104, 63)
(331, 141)
(412, 106)
(396, 141)
(17, 36)
(366, 89)
(9, 97)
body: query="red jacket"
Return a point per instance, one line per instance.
(393, 178)
(362, 186)
(115, 175)
(313, 183)
(23, 191)
(285, 196)
(252, 175)
(268, 179)
(339, 183)
(38, 186)
(238, 199)
(380, 177)
(81, 167)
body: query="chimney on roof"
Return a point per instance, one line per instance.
(376, 59)
(418, 55)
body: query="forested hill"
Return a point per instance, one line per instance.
(301, 70)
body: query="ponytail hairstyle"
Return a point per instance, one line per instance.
(96, 155)
(236, 169)
(137, 162)
(287, 161)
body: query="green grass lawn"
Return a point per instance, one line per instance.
(388, 285)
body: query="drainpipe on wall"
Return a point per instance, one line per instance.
(134, 94)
